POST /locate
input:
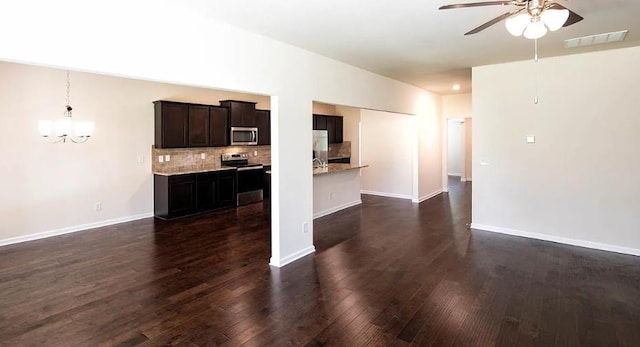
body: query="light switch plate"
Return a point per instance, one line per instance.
(160, 159)
(167, 157)
(531, 139)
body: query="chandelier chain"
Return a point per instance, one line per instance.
(68, 90)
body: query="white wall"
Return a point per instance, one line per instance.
(468, 149)
(82, 35)
(387, 147)
(335, 191)
(457, 106)
(454, 148)
(579, 183)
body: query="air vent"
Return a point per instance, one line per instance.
(596, 39)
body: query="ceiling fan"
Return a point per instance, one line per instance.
(533, 18)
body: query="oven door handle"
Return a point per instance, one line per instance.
(250, 168)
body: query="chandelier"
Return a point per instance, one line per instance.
(537, 20)
(65, 128)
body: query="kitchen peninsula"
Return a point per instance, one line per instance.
(335, 187)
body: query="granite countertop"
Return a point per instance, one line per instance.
(332, 168)
(192, 171)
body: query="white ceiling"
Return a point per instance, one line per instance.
(411, 40)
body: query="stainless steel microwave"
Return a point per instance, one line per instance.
(241, 136)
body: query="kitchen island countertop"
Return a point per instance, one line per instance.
(333, 168)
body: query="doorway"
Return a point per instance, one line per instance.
(459, 152)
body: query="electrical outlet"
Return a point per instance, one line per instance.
(305, 227)
(203, 156)
(167, 157)
(141, 159)
(160, 159)
(255, 153)
(98, 206)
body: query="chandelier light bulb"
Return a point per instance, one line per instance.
(516, 25)
(535, 30)
(554, 19)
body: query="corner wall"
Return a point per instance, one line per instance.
(579, 183)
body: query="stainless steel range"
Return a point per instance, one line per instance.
(250, 177)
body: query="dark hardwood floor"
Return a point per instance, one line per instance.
(387, 273)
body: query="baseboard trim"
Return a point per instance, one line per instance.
(455, 174)
(388, 195)
(558, 239)
(445, 190)
(336, 209)
(427, 197)
(468, 179)
(73, 229)
(292, 257)
(462, 179)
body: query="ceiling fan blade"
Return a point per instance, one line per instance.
(477, 4)
(573, 17)
(493, 21)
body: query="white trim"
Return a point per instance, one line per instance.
(73, 229)
(558, 239)
(336, 209)
(292, 257)
(468, 179)
(427, 197)
(455, 174)
(445, 189)
(462, 179)
(388, 195)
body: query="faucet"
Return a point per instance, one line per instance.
(320, 163)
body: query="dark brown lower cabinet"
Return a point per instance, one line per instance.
(206, 191)
(182, 195)
(227, 188)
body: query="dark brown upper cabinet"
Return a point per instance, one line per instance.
(263, 123)
(171, 124)
(199, 124)
(219, 126)
(182, 125)
(241, 113)
(334, 126)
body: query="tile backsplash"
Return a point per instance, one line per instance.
(190, 159)
(340, 150)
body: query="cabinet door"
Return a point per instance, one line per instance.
(339, 129)
(206, 191)
(320, 122)
(241, 114)
(182, 195)
(263, 123)
(219, 126)
(331, 128)
(226, 188)
(198, 126)
(172, 120)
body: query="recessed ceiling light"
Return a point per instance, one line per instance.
(456, 87)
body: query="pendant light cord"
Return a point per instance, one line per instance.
(535, 72)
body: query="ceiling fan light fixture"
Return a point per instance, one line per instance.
(554, 19)
(516, 25)
(535, 29)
